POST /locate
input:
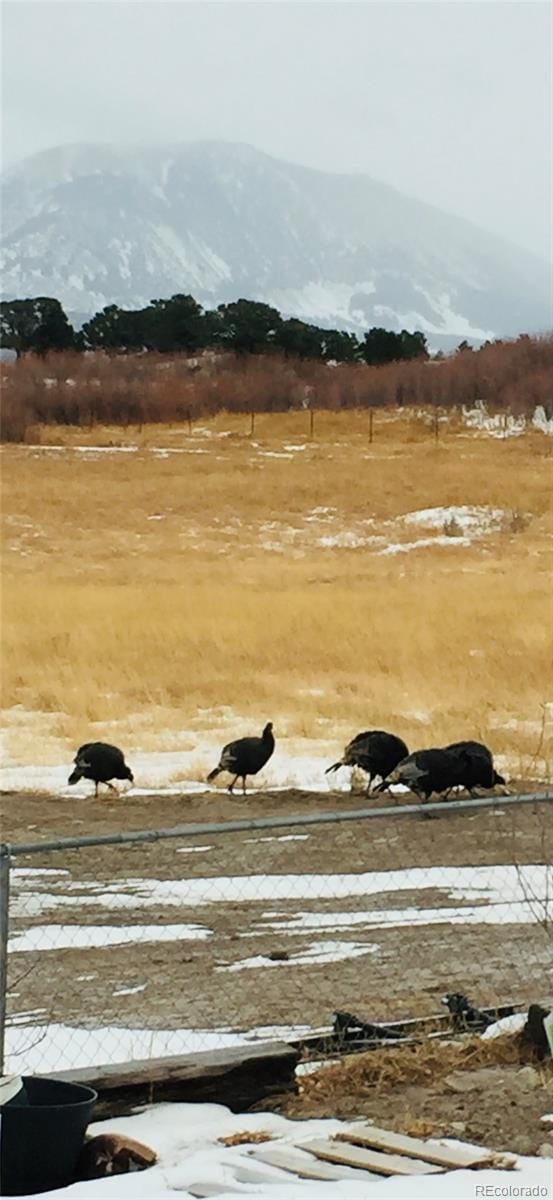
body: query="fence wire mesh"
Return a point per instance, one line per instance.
(120, 952)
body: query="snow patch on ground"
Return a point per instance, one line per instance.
(510, 913)
(316, 953)
(53, 1047)
(91, 937)
(452, 543)
(541, 421)
(87, 449)
(514, 893)
(506, 1025)
(503, 425)
(193, 849)
(176, 772)
(469, 518)
(287, 837)
(191, 1156)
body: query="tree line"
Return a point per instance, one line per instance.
(181, 325)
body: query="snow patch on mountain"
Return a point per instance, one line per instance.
(323, 300)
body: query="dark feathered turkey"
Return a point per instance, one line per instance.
(100, 762)
(426, 771)
(475, 765)
(375, 752)
(245, 757)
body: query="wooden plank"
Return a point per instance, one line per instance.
(185, 1066)
(429, 1151)
(238, 1076)
(355, 1156)
(297, 1162)
(204, 1190)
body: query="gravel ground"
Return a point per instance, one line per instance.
(385, 973)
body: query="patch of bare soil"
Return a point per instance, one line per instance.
(476, 1091)
(264, 961)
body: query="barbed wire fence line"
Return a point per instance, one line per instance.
(123, 946)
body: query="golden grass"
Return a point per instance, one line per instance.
(426, 1062)
(143, 587)
(245, 1138)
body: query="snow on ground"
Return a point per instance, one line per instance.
(452, 543)
(506, 1025)
(53, 1047)
(173, 772)
(287, 837)
(91, 937)
(517, 894)
(511, 913)
(84, 449)
(541, 421)
(502, 425)
(469, 518)
(190, 1155)
(480, 895)
(316, 953)
(178, 765)
(193, 849)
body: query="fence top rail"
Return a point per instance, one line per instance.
(201, 829)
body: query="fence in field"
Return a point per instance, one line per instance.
(133, 945)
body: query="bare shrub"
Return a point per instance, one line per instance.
(452, 528)
(517, 521)
(95, 388)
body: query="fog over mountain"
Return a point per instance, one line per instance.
(97, 224)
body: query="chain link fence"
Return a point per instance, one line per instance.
(161, 943)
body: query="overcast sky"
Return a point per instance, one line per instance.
(448, 101)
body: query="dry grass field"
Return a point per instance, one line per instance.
(166, 584)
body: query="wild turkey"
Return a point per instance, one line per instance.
(475, 766)
(245, 757)
(375, 752)
(425, 771)
(100, 762)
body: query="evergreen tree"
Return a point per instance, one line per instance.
(248, 326)
(381, 346)
(413, 345)
(38, 325)
(175, 324)
(300, 340)
(116, 328)
(385, 346)
(339, 346)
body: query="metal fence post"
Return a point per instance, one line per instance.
(4, 922)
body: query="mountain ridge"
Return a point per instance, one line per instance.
(95, 223)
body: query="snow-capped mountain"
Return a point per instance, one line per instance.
(98, 224)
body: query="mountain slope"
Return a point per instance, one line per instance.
(95, 225)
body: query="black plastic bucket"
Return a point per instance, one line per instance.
(40, 1142)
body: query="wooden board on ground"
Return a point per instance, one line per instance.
(238, 1076)
(202, 1191)
(371, 1160)
(451, 1157)
(297, 1162)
